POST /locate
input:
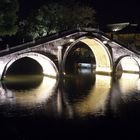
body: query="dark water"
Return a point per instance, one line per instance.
(82, 105)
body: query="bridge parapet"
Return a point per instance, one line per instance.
(120, 51)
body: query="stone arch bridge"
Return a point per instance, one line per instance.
(51, 53)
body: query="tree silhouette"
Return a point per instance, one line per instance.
(8, 17)
(56, 17)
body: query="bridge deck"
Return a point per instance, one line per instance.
(52, 38)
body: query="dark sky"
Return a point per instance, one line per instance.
(108, 11)
(117, 11)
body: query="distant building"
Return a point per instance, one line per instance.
(126, 33)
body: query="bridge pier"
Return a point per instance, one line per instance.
(59, 55)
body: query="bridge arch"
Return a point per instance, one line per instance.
(127, 64)
(101, 53)
(48, 66)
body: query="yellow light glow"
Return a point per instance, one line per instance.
(103, 70)
(71, 40)
(138, 85)
(96, 101)
(102, 55)
(38, 95)
(129, 64)
(49, 68)
(47, 65)
(128, 82)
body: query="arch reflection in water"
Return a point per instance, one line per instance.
(29, 96)
(128, 82)
(128, 86)
(94, 99)
(125, 95)
(95, 102)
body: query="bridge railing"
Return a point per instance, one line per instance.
(48, 38)
(100, 35)
(36, 42)
(16, 48)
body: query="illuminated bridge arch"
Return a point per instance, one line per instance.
(48, 66)
(101, 53)
(127, 64)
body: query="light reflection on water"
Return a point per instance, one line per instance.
(80, 95)
(125, 95)
(28, 90)
(96, 100)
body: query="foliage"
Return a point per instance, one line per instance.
(55, 17)
(8, 17)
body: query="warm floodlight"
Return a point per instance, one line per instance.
(118, 26)
(71, 40)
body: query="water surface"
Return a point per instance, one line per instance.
(83, 102)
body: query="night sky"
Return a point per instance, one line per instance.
(108, 11)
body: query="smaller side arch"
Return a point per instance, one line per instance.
(127, 64)
(48, 66)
